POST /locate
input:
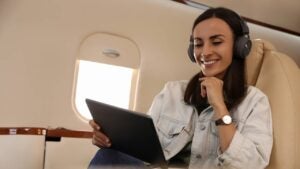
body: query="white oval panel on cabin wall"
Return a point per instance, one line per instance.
(95, 45)
(108, 49)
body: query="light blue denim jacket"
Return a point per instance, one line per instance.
(178, 123)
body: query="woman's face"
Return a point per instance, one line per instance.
(213, 46)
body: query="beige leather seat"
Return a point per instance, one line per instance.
(277, 75)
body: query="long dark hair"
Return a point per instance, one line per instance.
(235, 87)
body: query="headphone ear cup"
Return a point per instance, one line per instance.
(242, 47)
(191, 52)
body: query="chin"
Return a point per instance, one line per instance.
(209, 75)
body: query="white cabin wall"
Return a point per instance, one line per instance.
(39, 42)
(283, 42)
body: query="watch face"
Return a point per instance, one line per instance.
(227, 119)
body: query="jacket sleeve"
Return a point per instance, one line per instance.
(156, 105)
(252, 143)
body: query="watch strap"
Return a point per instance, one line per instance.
(219, 122)
(225, 120)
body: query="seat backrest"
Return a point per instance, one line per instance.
(277, 75)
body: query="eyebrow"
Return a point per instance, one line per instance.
(212, 37)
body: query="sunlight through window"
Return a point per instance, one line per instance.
(105, 83)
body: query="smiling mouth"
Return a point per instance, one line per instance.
(209, 62)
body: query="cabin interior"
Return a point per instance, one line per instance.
(43, 45)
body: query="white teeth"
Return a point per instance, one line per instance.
(209, 62)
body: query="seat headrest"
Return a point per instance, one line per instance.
(255, 59)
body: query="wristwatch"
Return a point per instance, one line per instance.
(225, 120)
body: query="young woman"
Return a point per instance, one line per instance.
(215, 120)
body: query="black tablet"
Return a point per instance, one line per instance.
(130, 132)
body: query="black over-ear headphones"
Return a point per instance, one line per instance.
(242, 44)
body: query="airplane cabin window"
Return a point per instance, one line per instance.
(102, 82)
(107, 71)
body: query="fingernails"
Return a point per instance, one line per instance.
(108, 143)
(201, 78)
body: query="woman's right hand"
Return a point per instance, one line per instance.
(99, 139)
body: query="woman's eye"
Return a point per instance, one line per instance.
(217, 42)
(198, 45)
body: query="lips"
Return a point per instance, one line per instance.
(209, 62)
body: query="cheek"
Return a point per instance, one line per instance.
(227, 53)
(227, 60)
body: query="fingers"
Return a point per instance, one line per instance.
(212, 89)
(209, 84)
(99, 138)
(203, 87)
(94, 125)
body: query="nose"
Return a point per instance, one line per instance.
(206, 50)
(203, 52)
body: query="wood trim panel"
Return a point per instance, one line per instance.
(22, 131)
(51, 134)
(62, 132)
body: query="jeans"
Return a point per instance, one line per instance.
(109, 158)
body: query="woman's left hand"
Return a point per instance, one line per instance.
(212, 88)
